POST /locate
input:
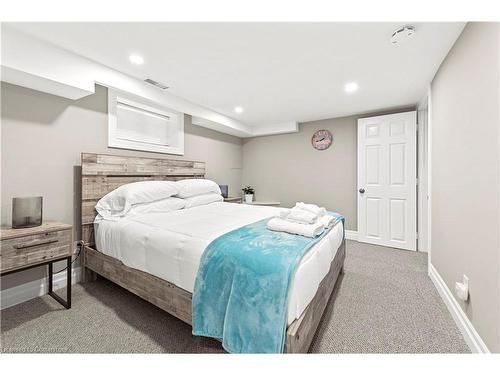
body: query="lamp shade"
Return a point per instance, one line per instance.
(26, 212)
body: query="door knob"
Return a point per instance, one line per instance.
(361, 190)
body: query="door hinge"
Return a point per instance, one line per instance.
(416, 181)
(416, 235)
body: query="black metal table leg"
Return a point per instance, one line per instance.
(67, 303)
(50, 277)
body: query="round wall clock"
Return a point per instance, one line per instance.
(321, 140)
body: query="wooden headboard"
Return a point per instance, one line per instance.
(102, 173)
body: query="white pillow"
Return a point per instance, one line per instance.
(164, 205)
(191, 187)
(202, 199)
(119, 201)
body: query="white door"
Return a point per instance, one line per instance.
(387, 179)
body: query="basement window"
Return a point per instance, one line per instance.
(139, 125)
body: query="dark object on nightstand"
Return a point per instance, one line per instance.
(224, 190)
(26, 212)
(46, 244)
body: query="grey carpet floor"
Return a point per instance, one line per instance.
(385, 303)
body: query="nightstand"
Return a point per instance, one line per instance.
(26, 248)
(265, 203)
(233, 199)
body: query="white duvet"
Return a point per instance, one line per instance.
(170, 245)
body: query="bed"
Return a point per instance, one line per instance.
(156, 256)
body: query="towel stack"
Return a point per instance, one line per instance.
(304, 219)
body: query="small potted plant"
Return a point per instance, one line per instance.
(248, 194)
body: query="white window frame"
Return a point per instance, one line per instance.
(115, 142)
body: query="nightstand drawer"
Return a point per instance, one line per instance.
(28, 250)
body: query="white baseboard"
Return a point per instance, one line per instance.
(24, 292)
(472, 338)
(351, 235)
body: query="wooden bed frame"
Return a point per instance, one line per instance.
(103, 173)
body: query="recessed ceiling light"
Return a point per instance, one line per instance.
(238, 109)
(136, 59)
(351, 87)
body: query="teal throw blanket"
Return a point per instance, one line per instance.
(241, 289)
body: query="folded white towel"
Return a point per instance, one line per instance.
(319, 211)
(307, 230)
(299, 215)
(328, 221)
(283, 214)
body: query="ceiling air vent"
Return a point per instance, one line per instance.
(403, 34)
(156, 83)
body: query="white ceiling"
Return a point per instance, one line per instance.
(277, 72)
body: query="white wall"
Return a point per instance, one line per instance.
(288, 169)
(43, 136)
(465, 174)
(423, 165)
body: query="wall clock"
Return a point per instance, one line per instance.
(321, 139)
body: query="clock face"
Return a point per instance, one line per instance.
(321, 140)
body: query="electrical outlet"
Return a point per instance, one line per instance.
(462, 289)
(466, 281)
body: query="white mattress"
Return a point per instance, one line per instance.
(169, 245)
